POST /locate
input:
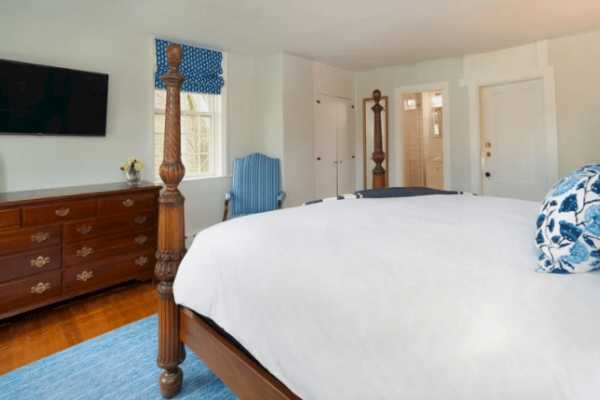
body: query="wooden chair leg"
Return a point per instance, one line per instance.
(226, 212)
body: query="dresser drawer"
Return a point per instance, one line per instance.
(35, 262)
(124, 204)
(28, 239)
(89, 276)
(9, 219)
(59, 212)
(111, 225)
(92, 250)
(30, 290)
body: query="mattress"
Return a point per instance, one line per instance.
(431, 297)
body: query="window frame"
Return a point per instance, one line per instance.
(218, 135)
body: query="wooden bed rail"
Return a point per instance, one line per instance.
(171, 233)
(378, 154)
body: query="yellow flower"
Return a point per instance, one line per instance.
(138, 166)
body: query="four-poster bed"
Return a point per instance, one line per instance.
(179, 325)
(379, 181)
(417, 297)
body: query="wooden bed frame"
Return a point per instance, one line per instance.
(177, 324)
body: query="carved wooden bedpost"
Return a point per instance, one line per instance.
(378, 154)
(171, 233)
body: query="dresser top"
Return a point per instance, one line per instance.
(73, 192)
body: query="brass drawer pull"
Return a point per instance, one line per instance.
(85, 275)
(140, 239)
(128, 203)
(140, 220)
(40, 237)
(141, 260)
(40, 287)
(84, 252)
(62, 212)
(40, 261)
(84, 229)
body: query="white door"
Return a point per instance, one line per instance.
(343, 150)
(513, 148)
(332, 151)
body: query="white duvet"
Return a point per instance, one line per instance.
(428, 298)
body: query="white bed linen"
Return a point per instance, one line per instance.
(428, 298)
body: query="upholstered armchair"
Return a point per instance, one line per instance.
(255, 186)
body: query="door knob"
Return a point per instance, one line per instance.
(487, 174)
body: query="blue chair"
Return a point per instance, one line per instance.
(255, 186)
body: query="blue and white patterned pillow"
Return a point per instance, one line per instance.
(568, 231)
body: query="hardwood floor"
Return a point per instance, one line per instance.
(29, 337)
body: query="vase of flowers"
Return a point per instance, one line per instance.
(133, 170)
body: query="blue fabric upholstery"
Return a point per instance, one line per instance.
(256, 186)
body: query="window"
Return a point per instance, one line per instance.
(201, 133)
(203, 100)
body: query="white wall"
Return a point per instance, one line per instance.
(242, 107)
(576, 61)
(269, 100)
(298, 128)
(386, 79)
(333, 81)
(29, 162)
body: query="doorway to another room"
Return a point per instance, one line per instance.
(422, 139)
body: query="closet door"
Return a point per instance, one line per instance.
(325, 113)
(344, 182)
(333, 147)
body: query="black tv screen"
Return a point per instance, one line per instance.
(41, 100)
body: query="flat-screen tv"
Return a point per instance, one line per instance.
(42, 100)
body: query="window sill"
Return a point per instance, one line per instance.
(197, 178)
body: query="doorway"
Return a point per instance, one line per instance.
(422, 138)
(430, 117)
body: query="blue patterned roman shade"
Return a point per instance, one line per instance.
(201, 68)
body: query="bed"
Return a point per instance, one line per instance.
(432, 297)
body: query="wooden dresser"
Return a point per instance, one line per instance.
(59, 243)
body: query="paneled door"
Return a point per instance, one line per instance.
(513, 148)
(333, 162)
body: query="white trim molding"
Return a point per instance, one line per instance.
(444, 87)
(506, 66)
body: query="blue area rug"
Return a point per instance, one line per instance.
(118, 365)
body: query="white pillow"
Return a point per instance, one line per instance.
(569, 224)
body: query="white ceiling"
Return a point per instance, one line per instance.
(351, 34)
